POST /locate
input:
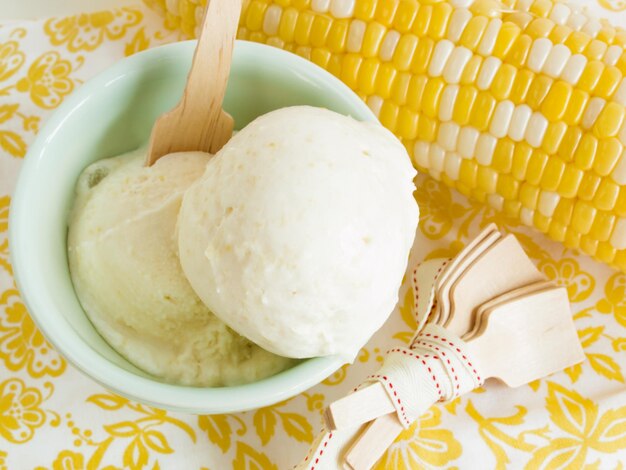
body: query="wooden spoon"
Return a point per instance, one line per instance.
(198, 122)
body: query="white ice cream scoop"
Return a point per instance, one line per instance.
(298, 234)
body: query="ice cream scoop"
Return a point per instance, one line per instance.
(125, 269)
(298, 234)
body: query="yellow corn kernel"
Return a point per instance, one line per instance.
(423, 54)
(439, 22)
(520, 18)
(321, 57)
(577, 42)
(559, 34)
(334, 64)
(350, 69)
(541, 8)
(588, 244)
(503, 82)
(570, 182)
(400, 89)
(384, 80)
(621, 63)
(471, 70)
(553, 137)
(588, 186)
(540, 28)
(568, 147)
(572, 239)
(607, 34)
(366, 82)
(512, 208)
(605, 252)
(608, 82)
(583, 217)
(405, 15)
(468, 172)
(257, 36)
(254, 18)
(385, 12)
(304, 25)
(483, 110)
(541, 222)
(556, 101)
(507, 187)
(416, 91)
(479, 195)
(320, 30)
(486, 179)
(503, 156)
(609, 121)
(606, 195)
(432, 96)
(372, 39)
(609, 151)
(338, 36)
(301, 4)
(509, 32)
(445, 179)
(586, 152)
(242, 33)
(521, 157)
(521, 85)
(426, 129)
(407, 124)
(602, 226)
(620, 205)
(536, 165)
(389, 115)
(576, 107)
(364, 9)
(405, 50)
(595, 50)
(422, 22)
(488, 8)
(473, 32)
(464, 189)
(557, 231)
(563, 211)
(538, 90)
(552, 174)
(464, 104)
(519, 51)
(620, 260)
(287, 25)
(591, 76)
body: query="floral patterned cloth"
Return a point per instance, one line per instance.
(51, 416)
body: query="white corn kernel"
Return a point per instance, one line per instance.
(375, 102)
(421, 152)
(618, 237)
(548, 201)
(539, 52)
(388, 47)
(560, 13)
(441, 54)
(458, 22)
(436, 157)
(523, 5)
(527, 215)
(577, 20)
(496, 201)
(619, 172)
(502, 119)
(355, 36)
(593, 110)
(592, 27)
(556, 61)
(342, 8)
(612, 54)
(485, 147)
(488, 42)
(519, 122)
(574, 69)
(456, 64)
(272, 20)
(448, 135)
(452, 165)
(536, 130)
(468, 139)
(448, 100)
(487, 73)
(620, 94)
(320, 6)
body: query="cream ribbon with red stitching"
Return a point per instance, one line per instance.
(436, 367)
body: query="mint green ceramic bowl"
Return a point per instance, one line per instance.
(109, 115)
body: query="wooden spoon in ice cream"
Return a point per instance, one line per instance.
(198, 122)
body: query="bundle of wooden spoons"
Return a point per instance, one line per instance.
(487, 313)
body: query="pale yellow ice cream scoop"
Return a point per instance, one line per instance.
(298, 234)
(125, 268)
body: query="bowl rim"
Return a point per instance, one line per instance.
(75, 349)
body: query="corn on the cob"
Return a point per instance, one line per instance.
(520, 103)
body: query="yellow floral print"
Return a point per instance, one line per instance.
(22, 346)
(20, 414)
(69, 460)
(11, 59)
(437, 209)
(584, 426)
(615, 300)
(295, 425)
(87, 31)
(615, 5)
(567, 273)
(47, 80)
(423, 445)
